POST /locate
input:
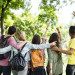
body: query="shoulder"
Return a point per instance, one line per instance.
(49, 50)
(28, 43)
(11, 39)
(72, 41)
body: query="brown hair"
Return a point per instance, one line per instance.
(21, 35)
(54, 37)
(36, 39)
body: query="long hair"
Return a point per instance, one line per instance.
(21, 35)
(36, 39)
(54, 37)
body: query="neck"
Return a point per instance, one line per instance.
(9, 35)
(72, 37)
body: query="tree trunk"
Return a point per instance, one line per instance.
(2, 17)
(2, 20)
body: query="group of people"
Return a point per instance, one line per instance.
(35, 53)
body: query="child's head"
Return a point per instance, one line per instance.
(21, 35)
(72, 31)
(36, 39)
(54, 37)
(11, 30)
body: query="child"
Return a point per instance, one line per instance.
(70, 69)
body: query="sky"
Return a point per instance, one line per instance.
(64, 15)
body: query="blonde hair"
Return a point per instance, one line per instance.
(21, 35)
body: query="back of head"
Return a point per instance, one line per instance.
(11, 30)
(54, 37)
(72, 30)
(21, 35)
(36, 39)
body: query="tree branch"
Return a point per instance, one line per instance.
(8, 1)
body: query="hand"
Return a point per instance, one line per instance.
(53, 43)
(74, 13)
(50, 73)
(55, 48)
(58, 29)
(26, 41)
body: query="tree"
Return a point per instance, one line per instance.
(28, 23)
(48, 10)
(5, 6)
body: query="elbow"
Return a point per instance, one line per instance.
(70, 53)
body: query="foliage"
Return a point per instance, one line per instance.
(29, 23)
(6, 5)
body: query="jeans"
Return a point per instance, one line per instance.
(37, 71)
(6, 70)
(70, 70)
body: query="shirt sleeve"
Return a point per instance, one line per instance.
(41, 46)
(13, 43)
(6, 49)
(50, 56)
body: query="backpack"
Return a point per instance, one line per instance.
(4, 43)
(18, 62)
(36, 59)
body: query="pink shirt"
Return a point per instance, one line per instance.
(12, 42)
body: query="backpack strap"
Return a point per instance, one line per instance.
(25, 54)
(2, 37)
(23, 47)
(8, 37)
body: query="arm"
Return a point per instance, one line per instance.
(13, 43)
(59, 33)
(69, 52)
(46, 31)
(44, 38)
(6, 49)
(50, 66)
(41, 46)
(21, 44)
